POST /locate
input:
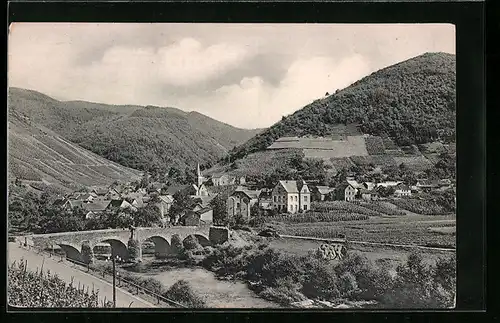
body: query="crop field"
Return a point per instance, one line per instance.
(344, 207)
(397, 230)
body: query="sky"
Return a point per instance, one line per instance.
(246, 75)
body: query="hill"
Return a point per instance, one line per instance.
(153, 139)
(412, 102)
(41, 157)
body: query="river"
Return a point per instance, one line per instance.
(216, 293)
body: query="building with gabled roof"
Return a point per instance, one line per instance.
(401, 190)
(241, 201)
(345, 192)
(320, 192)
(291, 197)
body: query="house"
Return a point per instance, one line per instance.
(426, 185)
(320, 193)
(100, 191)
(223, 180)
(96, 206)
(291, 197)
(241, 201)
(401, 190)
(241, 180)
(345, 192)
(266, 199)
(369, 185)
(112, 194)
(367, 194)
(197, 217)
(354, 183)
(72, 204)
(120, 204)
(166, 202)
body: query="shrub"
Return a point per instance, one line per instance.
(191, 243)
(372, 281)
(321, 281)
(87, 253)
(182, 293)
(419, 286)
(134, 249)
(286, 292)
(176, 243)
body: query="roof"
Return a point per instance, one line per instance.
(389, 183)
(97, 206)
(354, 183)
(100, 190)
(167, 198)
(369, 185)
(289, 186)
(344, 185)
(364, 191)
(324, 189)
(75, 203)
(252, 194)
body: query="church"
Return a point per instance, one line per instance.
(200, 188)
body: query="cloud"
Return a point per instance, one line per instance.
(248, 75)
(256, 103)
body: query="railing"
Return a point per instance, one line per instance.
(103, 273)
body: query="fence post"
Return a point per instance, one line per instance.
(137, 286)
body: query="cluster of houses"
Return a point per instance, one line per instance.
(287, 196)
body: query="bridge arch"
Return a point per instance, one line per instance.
(118, 248)
(203, 240)
(162, 246)
(72, 252)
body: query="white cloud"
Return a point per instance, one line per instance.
(211, 68)
(254, 103)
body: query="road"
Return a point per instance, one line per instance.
(65, 272)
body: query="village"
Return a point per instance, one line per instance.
(287, 197)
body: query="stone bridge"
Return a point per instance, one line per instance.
(71, 242)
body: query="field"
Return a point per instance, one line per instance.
(399, 230)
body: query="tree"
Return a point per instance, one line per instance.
(219, 206)
(182, 203)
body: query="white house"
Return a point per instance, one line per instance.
(291, 197)
(401, 190)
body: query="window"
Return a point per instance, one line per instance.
(305, 207)
(305, 198)
(295, 198)
(275, 199)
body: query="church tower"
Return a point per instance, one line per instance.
(200, 178)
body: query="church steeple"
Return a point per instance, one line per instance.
(198, 173)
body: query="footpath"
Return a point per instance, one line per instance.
(124, 299)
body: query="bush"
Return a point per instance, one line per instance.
(372, 282)
(177, 243)
(134, 249)
(87, 253)
(182, 293)
(321, 281)
(287, 292)
(191, 243)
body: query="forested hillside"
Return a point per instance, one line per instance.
(153, 139)
(412, 102)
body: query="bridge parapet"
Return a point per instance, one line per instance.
(71, 242)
